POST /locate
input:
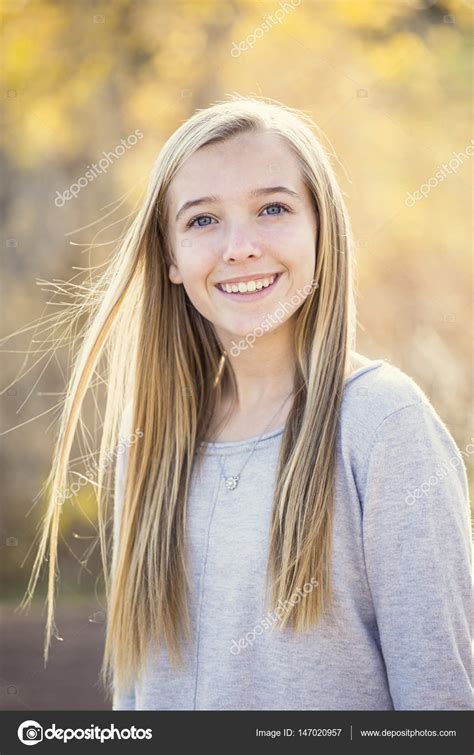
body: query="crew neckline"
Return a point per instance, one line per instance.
(217, 446)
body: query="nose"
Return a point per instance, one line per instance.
(239, 245)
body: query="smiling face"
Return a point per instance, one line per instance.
(242, 229)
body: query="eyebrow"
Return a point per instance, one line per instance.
(254, 193)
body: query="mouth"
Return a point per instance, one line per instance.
(249, 290)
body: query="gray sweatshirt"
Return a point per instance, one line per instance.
(399, 635)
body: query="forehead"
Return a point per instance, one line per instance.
(235, 167)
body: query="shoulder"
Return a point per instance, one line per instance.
(374, 392)
(381, 403)
(389, 426)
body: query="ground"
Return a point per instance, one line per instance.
(71, 678)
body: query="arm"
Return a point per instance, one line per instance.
(417, 546)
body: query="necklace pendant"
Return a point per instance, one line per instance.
(232, 482)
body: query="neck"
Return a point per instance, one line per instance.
(264, 372)
(264, 376)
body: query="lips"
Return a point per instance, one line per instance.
(245, 289)
(248, 286)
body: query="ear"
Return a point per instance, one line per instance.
(174, 274)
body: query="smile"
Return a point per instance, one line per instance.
(249, 289)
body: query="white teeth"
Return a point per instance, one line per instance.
(248, 287)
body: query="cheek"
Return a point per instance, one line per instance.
(197, 271)
(296, 247)
(196, 262)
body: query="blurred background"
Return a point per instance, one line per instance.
(390, 85)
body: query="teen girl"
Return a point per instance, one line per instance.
(291, 523)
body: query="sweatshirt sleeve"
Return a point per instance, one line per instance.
(126, 700)
(417, 546)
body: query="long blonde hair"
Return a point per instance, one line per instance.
(163, 356)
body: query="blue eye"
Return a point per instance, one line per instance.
(199, 225)
(276, 205)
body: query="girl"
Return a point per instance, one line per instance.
(291, 522)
